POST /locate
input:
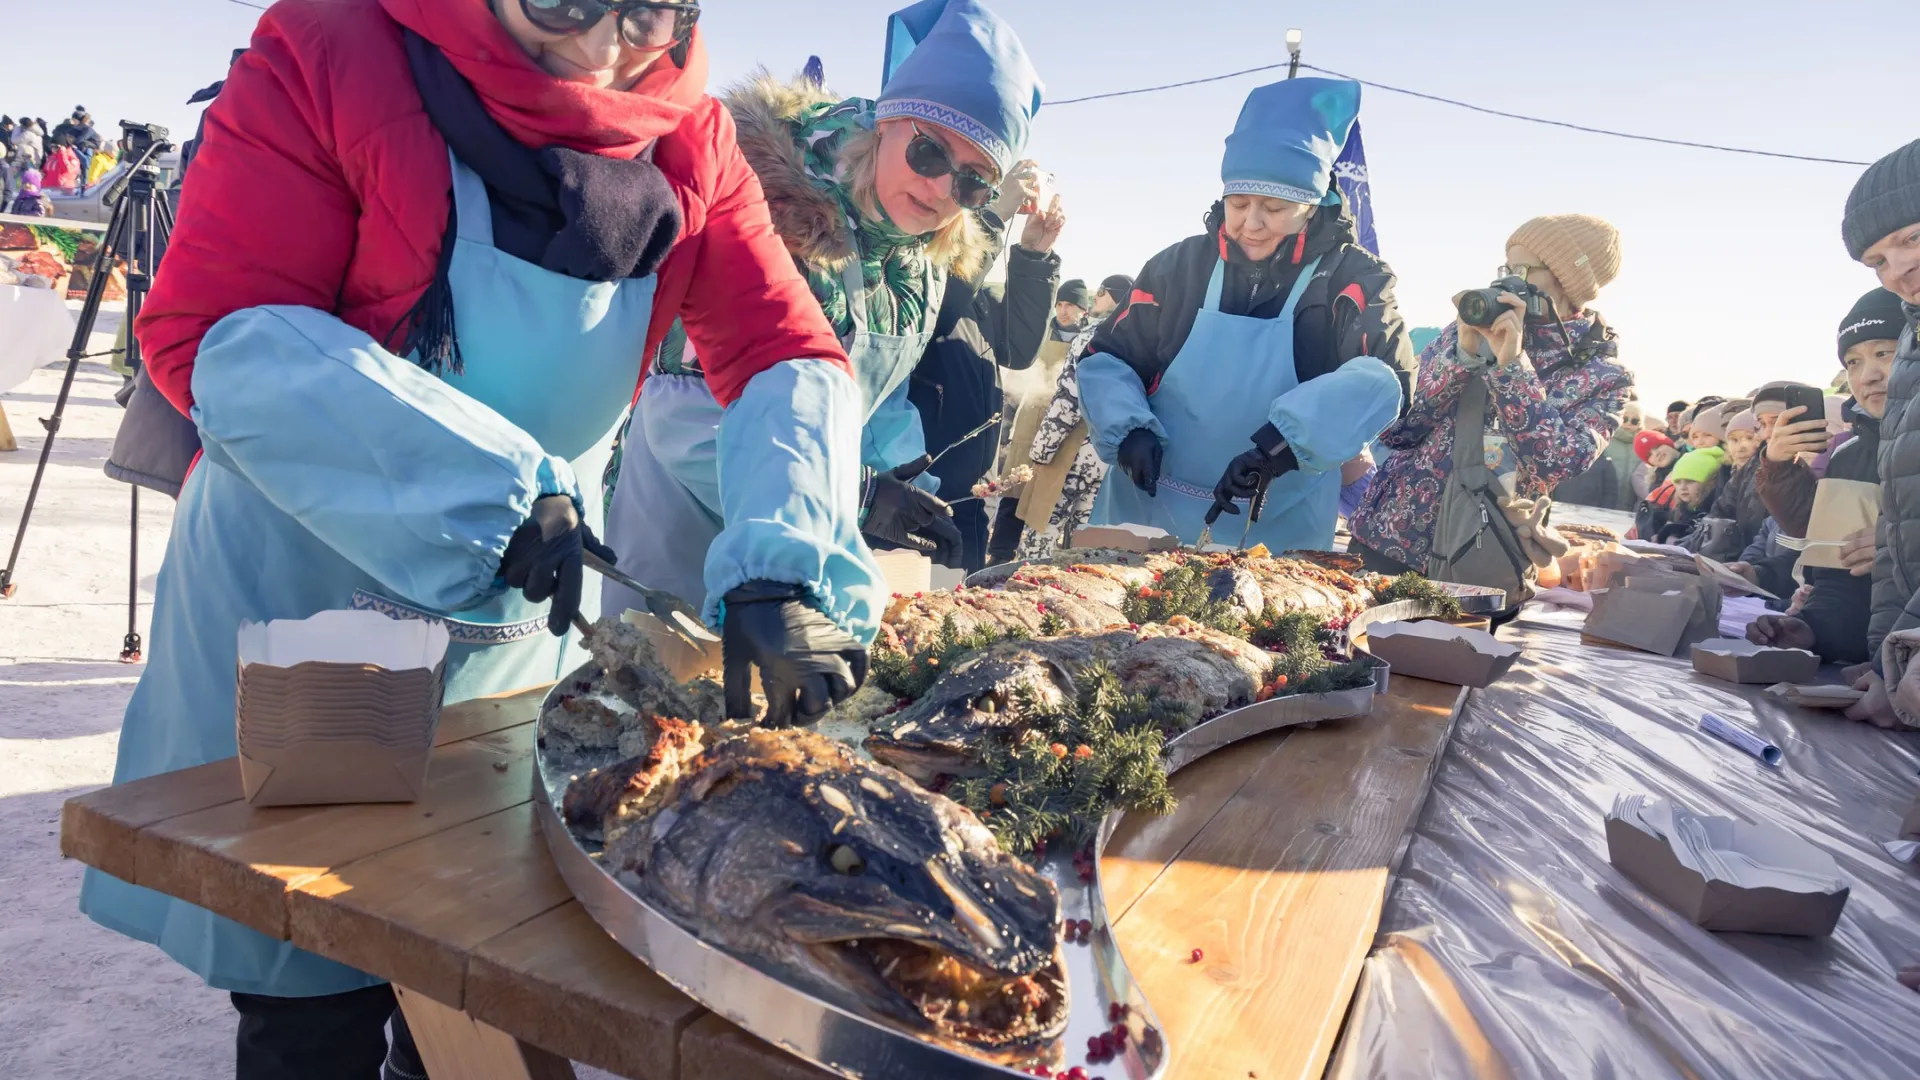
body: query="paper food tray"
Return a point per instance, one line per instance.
(1442, 652)
(1726, 875)
(1738, 660)
(338, 708)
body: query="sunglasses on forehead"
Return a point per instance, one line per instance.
(928, 157)
(644, 24)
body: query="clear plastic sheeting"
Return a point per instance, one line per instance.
(1510, 947)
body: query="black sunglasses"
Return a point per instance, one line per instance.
(644, 24)
(926, 156)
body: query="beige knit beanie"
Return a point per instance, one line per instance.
(1581, 250)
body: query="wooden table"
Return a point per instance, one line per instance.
(1276, 865)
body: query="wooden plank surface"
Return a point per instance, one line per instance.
(1282, 890)
(240, 860)
(451, 1043)
(99, 829)
(414, 913)
(560, 982)
(1143, 846)
(102, 828)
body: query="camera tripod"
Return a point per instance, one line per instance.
(137, 230)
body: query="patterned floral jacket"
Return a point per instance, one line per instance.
(1087, 471)
(1558, 409)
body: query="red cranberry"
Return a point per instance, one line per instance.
(1198, 956)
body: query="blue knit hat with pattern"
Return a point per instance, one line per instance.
(1287, 139)
(956, 64)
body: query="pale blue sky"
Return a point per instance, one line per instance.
(1734, 271)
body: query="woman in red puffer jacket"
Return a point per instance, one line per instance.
(424, 247)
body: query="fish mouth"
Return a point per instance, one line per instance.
(924, 985)
(925, 760)
(961, 1000)
(990, 974)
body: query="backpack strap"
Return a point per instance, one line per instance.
(1470, 435)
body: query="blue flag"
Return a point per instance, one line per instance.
(1350, 172)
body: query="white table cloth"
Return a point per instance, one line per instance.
(36, 329)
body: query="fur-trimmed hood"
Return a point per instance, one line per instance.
(769, 114)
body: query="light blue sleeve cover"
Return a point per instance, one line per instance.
(1114, 403)
(411, 480)
(893, 435)
(1327, 420)
(790, 495)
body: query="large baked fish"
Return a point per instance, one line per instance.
(1191, 671)
(1082, 591)
(789, 851)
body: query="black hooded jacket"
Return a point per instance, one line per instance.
(1348, 310)
(956, 386)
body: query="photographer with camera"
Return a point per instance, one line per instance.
(1520, 393)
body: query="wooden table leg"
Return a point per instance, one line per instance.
(455, 1045)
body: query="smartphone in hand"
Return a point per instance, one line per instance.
(1810, 398)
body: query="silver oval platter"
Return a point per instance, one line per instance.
(841, 1036)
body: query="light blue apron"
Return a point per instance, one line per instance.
(1216, 393)
(555, 356)
(665, 511)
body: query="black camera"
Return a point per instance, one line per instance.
(142, 137)
(1481, 306)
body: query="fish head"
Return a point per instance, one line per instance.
(941, 733)
(903, 897)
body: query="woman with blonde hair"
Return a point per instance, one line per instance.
(877, 202)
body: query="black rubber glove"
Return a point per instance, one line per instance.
(807, 664)
(1248, 475)
(901, 514)
(542, 559)
(1140, 455)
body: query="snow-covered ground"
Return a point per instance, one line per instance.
(76, 1001)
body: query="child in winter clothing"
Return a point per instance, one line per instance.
(1670, 510)
(30, 202)
(1708, 429)
(1743, 438)
(1657, 455)
(1696, 477)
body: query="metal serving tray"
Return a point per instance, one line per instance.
(842, 1038)
(1476, 599)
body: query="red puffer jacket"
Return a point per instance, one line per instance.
(322, 183)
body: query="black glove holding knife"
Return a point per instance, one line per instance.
(1247, 476)
(897, 512)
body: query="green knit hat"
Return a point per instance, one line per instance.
(1699, 465)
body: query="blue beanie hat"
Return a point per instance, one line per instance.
(956, 64)
(1287, 139)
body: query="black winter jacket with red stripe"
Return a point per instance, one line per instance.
(1347, 313)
